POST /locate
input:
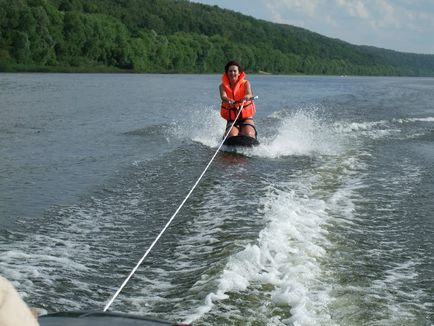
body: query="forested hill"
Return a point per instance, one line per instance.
(177, 36)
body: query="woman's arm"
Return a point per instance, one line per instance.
(224, 97)
(249, 93)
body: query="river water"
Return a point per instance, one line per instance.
(330, 221)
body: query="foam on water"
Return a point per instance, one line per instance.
(302, 132)
(65, 255)
(287, 261)
(383, 129)
(427, 119)
(380, 291)
(288, 266)
(285, 258)
(203, 125)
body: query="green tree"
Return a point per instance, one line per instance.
(179, 36)
(21, 47)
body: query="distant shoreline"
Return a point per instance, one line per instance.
(114, 70)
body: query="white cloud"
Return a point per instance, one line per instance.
(308, 7)
(403, 25)
(384, 23)
(354, 8)
(281, 9)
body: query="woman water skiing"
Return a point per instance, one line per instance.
(234, 92)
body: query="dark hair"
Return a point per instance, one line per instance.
(233, 63)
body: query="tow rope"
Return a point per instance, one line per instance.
(174, 214)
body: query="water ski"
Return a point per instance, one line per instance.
(243, 141)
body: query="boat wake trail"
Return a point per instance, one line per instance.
(300, 230)
(279, 272)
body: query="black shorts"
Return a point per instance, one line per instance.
(241, 122)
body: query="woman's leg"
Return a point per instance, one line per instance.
(234, 131)
(248, 128)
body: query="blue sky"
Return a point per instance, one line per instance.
(401, 25)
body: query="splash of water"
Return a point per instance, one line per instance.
(203, 125)
(301, 133)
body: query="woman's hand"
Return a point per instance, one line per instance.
(231, 102)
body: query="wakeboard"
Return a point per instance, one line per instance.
(242, 141)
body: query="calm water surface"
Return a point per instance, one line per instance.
(329, 221)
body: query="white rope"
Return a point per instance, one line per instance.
(173, 216)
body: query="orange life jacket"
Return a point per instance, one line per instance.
(228, 111)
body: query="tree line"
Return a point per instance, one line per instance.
(177, 36)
